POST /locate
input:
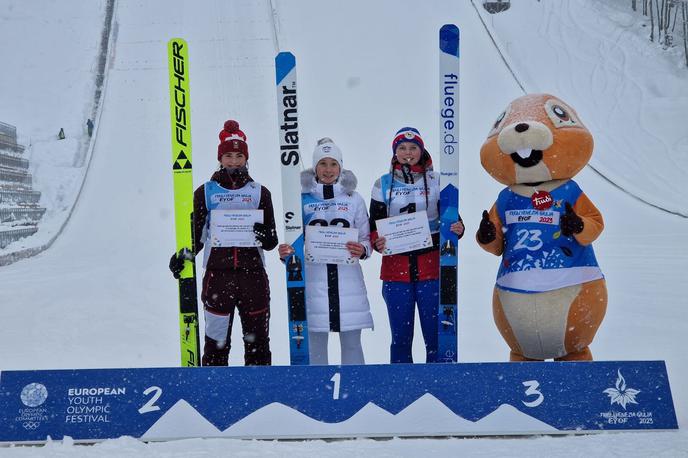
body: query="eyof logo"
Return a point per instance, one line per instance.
(621, 394)
(33, 394)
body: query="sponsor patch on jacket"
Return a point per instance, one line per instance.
(532, 216)
(227, 197)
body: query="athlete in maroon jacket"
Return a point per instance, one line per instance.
(235, 277)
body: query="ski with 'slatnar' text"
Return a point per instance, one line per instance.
(290, 162)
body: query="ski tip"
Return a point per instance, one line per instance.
(285, 56)
(449, 39)
(449, 188)
(284, 63)
(450, 28)
(176, 40)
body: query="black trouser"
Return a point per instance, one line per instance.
(249, 293)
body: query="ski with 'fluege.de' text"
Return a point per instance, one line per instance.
(449, 191)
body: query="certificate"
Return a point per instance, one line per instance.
(234, 227)
(406, 232)
(327, 244)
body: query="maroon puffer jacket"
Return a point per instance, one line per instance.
(224, 258)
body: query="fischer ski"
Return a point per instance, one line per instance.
(449, 191)
(177, 54)
(290, 158)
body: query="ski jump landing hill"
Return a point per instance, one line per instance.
(102, 295)
(74, 69)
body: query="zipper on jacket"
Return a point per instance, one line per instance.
(333, 297)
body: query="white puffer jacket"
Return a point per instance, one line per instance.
(336, 296)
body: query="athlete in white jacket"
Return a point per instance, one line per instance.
(336, 297)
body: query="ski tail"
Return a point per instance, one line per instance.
(290, 160)
(180, 103)
(449, 191)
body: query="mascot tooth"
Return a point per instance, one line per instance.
(550, 296)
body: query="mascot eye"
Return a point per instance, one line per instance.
(560, 112)
(499, 119)
(561, 115)
(498, 122)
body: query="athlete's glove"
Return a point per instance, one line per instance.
(177, 261)
(570, 222)
(262, 232)
(487, 231)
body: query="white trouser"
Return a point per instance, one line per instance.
(350, 342)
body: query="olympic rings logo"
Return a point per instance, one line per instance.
(31, 425)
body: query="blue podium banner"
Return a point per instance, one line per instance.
(335, 401)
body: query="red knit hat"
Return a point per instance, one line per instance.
(232, 140)
(407, 134)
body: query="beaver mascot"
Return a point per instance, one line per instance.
(550, 296)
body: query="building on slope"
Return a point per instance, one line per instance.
(20, 210)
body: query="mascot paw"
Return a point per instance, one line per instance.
(487, 231)
(570, 222)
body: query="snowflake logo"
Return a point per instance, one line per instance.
(621, 394)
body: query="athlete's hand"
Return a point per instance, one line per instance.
(457, 228)
(177, 261)
(285, 250)
(380, 244)
(261, 231)
(356, 249)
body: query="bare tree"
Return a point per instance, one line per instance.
(660, 12)
(667, 18)
(652, 23)
(684, 15)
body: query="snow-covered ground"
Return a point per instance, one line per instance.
(598, 55)
(50, 60)
(101, 296)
